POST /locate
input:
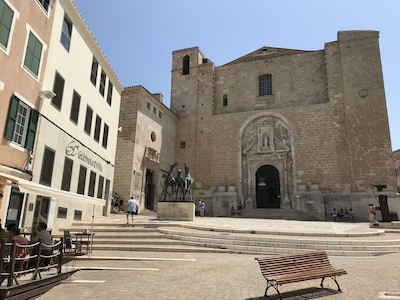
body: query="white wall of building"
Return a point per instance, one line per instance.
(63, 136)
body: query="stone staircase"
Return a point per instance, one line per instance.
(277, 213)
(170, 237)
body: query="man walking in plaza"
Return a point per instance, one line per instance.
(131, 210)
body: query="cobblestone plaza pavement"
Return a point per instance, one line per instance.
(173, 275)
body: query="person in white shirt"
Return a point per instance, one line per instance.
(131, 210)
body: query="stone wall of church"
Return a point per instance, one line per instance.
(298, 80)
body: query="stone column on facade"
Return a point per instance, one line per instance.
(249, 201)
(286, 203)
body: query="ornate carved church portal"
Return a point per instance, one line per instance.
(267, 166)
(268, 191)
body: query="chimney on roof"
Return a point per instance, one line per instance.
(159, 97)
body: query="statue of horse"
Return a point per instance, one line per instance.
(187, 182)
(169, 181)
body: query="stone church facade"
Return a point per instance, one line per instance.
(282, 128)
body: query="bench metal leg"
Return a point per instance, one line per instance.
(334, 279)
(275, 286)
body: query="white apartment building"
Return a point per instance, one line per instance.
(76, 142)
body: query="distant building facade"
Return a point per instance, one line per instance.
(283, 128)
(145, 147)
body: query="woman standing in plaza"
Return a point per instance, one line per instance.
(202, 207)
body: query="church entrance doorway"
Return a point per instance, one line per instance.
(268, 187)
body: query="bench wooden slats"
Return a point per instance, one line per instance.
(291, 268)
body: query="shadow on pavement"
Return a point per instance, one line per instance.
(307, 293)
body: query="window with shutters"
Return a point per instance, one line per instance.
(66, 33)
(67, 174)
(107, 189)
(105, 136)
(102, 86)
(62, 212)
(100, 187)
(46, 173)
(58, 88)
(75, 107)
(21, 123)
(92, 183)
(110, 92)
(77, 215)
(93, 73)
(6, 24)
(97, 129)
(88, 120)
(81, 180)
(33, 54)
(44, 4)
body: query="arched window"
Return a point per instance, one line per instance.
(186, 63)
(225, 100)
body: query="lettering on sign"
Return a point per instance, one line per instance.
(73, 149)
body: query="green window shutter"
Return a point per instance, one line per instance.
(33, 54)
(6, 17)
(33, 122)
(29, 51)
(12, 116)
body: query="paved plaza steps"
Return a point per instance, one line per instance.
(389, 226)
(168, 237)
(277, 213)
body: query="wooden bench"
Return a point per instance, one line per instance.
(302, 266)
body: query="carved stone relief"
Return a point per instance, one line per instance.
(266, 139)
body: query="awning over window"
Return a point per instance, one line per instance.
(30, 187)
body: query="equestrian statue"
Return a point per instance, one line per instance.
(169, 181)
(187, 183)
(180, 185)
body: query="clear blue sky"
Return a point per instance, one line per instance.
(138, 37)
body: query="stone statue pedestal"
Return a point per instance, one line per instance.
(175, 211)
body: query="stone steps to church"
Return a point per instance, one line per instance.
(223, 235)
(186, 240)
(277, 213)
(228, 248)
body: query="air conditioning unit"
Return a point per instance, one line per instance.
(47, 94)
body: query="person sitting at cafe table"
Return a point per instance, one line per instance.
(14, 234)
(41, 234)
(21, 253)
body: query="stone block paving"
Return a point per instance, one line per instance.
(220, 276)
